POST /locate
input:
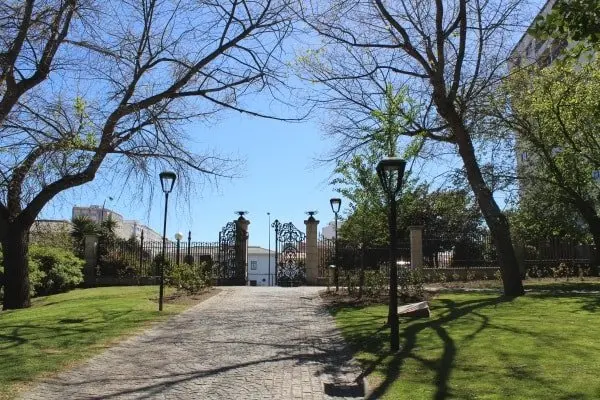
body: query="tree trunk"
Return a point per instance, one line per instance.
(361, 277)
(594, 225)
(495, 219)
(16, 268)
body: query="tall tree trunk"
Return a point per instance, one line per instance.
(361, 277)
(593, 221)
(495, 219)
(16, 268)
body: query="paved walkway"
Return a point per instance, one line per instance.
(243, 343)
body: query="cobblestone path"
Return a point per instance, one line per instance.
(243, 343)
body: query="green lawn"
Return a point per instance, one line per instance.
(481, 346)
(63, 328)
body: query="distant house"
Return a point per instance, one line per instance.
(258, 266)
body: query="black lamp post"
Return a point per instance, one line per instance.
(167, 180)
(391, 173)
(335, 207)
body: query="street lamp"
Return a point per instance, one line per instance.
(335, 207)
(391, 173)
(167, 180)
(178, 237)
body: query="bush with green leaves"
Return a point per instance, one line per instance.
(51, 270)
(188, 277)
(59, 269)
(410, 283)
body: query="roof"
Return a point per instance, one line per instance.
(256, 250)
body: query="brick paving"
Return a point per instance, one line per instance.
(243, 343)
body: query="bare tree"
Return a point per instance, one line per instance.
(447, 53)
(111, 84)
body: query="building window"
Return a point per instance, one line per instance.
(253, 265)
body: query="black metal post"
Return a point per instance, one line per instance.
(178, 247)
(276, 226)
(142, 253)
(393, 305)
(269, 280)
(336, 272)
(164, 258)
(189, 249)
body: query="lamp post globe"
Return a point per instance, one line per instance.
(391, 175)
(336, 203)
(167, 181)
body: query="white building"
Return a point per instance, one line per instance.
(130, 228)
(125, 229)
(328, 231)
(530, 50)
(96, 213)
(258, 266)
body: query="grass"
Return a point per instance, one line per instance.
(482, 346)
(61, 329)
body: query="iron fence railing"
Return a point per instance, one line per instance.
(133, 258)
(458, 251)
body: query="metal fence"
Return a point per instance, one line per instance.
(352, 257)
(133, 258)
(452, 251)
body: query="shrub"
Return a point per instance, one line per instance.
(187, 277)
(410, 283)
(54, 270)
(51, 270)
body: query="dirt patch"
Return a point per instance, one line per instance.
(343, 299)
(185, 298)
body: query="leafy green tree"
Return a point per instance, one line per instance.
(85, 89)
(577, 20)
(448, 54)
(555, 113)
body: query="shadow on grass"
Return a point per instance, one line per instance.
(365, 338)
(442, 367)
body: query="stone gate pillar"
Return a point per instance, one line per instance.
(241, 248)
(416, 246)
(312, 253)
(90, 254)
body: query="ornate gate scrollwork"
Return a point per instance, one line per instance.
(290, 251)
(229, 271)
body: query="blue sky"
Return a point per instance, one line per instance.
(279, 175)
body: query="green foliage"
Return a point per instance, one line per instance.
(57, 270)
(410, 284)
(51, 270)
(556, 115)
(82, 226)
(577, 20)
(188, 277)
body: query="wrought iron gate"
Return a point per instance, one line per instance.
(230, 269)
(290, 254)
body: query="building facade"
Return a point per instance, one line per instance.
(258, 266)
(125, 229)
(96, 213)
(530, 50)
